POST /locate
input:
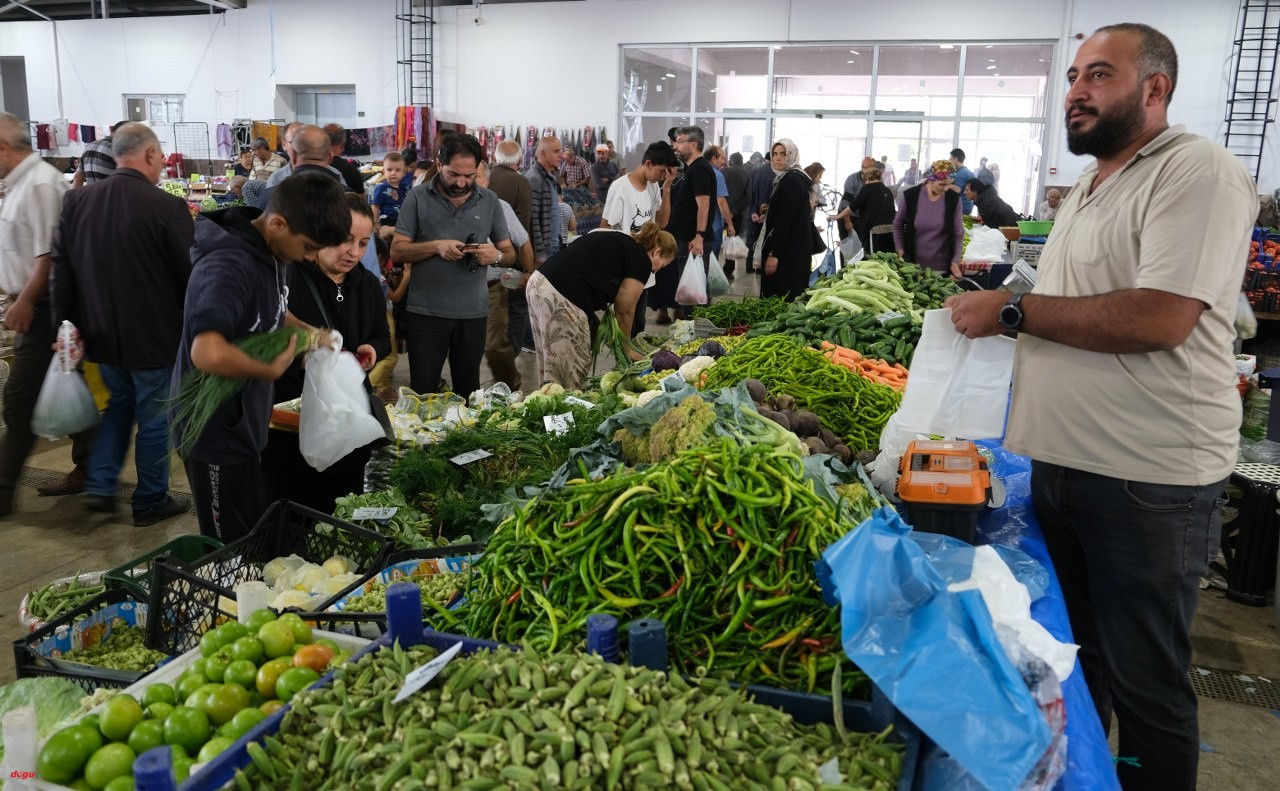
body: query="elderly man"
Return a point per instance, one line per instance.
(604, 171)
(500, 348)
(290, 134)
(509, 184)
(1128, 337)
(1049, 206)
(265, 161)
(545, 199)
(351, 175)
(575, 170)
(121, 262)
(310, 151)
(33, 193)
(97, 162)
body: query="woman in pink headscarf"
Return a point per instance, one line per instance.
(927, 228)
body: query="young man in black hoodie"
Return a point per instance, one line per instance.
(237, 288)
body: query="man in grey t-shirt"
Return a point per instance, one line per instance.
(443, 228)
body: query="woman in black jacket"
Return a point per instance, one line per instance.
(874, 209)
(789, 233)
(338, 293)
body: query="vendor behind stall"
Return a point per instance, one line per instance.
(605, 267)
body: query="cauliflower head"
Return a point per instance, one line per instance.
(689, 424)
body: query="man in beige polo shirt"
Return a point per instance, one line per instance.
(1123, 391)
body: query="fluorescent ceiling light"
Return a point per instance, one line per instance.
(991, 67)
(855, 52)
(669, 74)
(945, 46)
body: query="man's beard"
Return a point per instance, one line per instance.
(1112, 130)
(451, 191)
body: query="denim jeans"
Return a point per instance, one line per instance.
(137, 395)
(1130, 556)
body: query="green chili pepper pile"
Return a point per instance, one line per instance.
(749, 312)
(718, 543)
(855, 408)
(437, 591)
(516, 720)
(123, 650)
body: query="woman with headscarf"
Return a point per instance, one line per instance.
(789, 233)
(874, 210)
(927, 228)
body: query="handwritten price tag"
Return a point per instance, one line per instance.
(376, 514)
(582, 402)
(888, 316)
(422, 676)
(558, 424)
(463, 459)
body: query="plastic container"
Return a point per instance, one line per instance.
(135, 576)
(190, 599)
(1035, 227)
(31, 622)
(38, 653)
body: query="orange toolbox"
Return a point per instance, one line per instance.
(944, 485)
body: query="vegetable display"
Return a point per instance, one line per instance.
(748, 312)
(853, 407)
(59, 598)
(718, 543)
(894, 376)
(516, 720)
(408, 527)
(123, 650)
(200, 394)
(437, 591)
(54, 699)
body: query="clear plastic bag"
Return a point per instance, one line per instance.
(335, 417)
(692, 289)
(734, 248)
(65, 406)
(717, 283)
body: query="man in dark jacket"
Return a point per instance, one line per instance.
(738, 179)
(995, 213)
(237, 289)
(121, 264)
(351, 175)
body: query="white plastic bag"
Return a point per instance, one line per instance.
(958, 387)
(65, 406)
(1246, 319)
(335, 417)
(717, 283)
(692, 289)
(734, 249)
(985, 244)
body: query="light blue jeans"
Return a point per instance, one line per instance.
(137, 395)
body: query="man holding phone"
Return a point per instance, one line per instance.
(447, 306)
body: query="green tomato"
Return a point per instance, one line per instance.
(242, 723)
(215, 667)
(257, 618)
(189, 683)
(122, 783)
(158, 711)
(277, 638)
(119, 715)
(229, 632)
(187, 728)
(91, 721)
(301, 631)
(111, 761)
(181, 767)
(159, 693)
(327, 643)
(209, 643)
(242, 672)
(145, 735)
(293, 681)
(80, 784)
(66, 752)
(212, 748)
(223, 703)
(248, 648)
(198, 666)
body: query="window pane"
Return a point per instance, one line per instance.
(656, 80)
(937, 143)
(839, 144)
(638, 133)
(822, 78)
(918, 79)
(1013, 153)
(733, 79)
(1009, 81)
(741, 135)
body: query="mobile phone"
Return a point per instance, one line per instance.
(470, 248)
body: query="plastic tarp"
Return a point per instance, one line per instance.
(1089, 763)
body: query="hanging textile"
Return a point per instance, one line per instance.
(268, 131)
(357, 143)
(44, 138)
(73, 132)
(87, 134)
(226, 142)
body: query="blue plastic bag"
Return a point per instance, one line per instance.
(934, 653)
(826, 268)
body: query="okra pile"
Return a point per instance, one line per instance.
(517, 720)
(718, 543)
(437, 591)
(123, 650)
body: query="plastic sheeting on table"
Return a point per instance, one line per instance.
(1089, 763)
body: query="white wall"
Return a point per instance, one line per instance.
(556, 64)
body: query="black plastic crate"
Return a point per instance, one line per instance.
(135, 575)
(185, 598)
(29, 662)
(373, 624)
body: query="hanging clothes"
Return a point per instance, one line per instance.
(357, 143)
(87, 133)
(44, 138)
(73, 132)
(268, 131)
(226, 142)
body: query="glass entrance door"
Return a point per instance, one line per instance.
(901, 141)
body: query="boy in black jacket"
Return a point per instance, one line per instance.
(238, 288)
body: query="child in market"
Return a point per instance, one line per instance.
(389, 194)
(396, 276)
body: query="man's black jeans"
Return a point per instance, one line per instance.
(1130, 556)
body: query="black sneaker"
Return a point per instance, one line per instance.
(100, 503)
(171, 507)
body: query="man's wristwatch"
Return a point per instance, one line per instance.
(1011, 313)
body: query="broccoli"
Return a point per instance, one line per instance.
(689, 424)
(635, 448)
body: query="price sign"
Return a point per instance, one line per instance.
(558, 424)
(888, 316)
(582, 402)
(422, 676)
(376, 514)
(463, 459)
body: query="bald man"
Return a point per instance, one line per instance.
(544, 200)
